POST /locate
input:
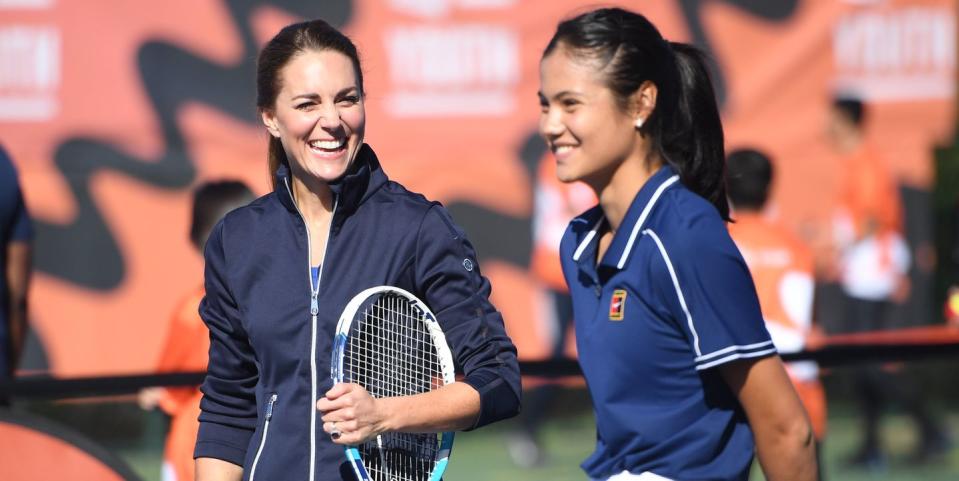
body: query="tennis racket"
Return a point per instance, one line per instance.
(389, 342)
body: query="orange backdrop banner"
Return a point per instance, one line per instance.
(114, 110)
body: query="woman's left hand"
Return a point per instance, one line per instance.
(348, 409)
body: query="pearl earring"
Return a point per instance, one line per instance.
(639, 123)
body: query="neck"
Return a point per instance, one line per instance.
(618, 194)
(850, 143)
(313, 198)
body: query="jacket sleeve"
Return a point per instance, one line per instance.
(448, 277)
(228, 408)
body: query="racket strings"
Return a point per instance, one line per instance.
(391, 353)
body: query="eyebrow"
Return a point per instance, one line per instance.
(314, 96)
(561, 94)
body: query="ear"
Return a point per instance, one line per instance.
(644, 102)
(269, 120)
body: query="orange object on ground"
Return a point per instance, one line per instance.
(782, 270)
(33, 448)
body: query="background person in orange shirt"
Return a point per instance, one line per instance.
(873, 264)
(782, 269)
(187, 342)
(554, 204)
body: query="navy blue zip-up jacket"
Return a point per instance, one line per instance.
(257, 307)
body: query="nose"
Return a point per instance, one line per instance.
(551, 123)
(329, 117)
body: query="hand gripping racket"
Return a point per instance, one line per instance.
(389, 342)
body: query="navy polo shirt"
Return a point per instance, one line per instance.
(670, 301)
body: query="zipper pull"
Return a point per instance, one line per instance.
(313, 307)
(269, 407)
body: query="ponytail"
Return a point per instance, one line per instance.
(276, 157)
(693, 144)
(684, 128)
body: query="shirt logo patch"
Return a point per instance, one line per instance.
(617, 305)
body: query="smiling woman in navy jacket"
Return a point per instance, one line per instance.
(280, 271)
(680, 368)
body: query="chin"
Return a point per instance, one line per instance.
(566, 176)
(332, 175)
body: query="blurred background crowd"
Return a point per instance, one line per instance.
(128, 129)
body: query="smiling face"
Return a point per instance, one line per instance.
(318, 115)
(583, 123)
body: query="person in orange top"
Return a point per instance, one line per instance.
(874, 257)
(554, 204)
(873, 264)
(188, 342)
(782, 269)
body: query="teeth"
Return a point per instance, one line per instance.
(327, 144)
(562, 149)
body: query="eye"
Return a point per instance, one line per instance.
(569, 104)
(305, 105)
(350, 100)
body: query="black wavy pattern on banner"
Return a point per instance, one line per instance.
(769, 10)
(500, 236)
(85, 251)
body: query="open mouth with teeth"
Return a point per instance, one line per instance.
(562, 151)
(327, 146)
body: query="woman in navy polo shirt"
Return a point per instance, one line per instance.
(681, 370)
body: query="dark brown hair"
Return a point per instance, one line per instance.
(749, 174)
(314, 35)
(685, 127)
(211, 201)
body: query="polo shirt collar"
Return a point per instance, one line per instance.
(636, 217)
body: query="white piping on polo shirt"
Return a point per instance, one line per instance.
(739, 352)
(642, 218)
(731, 357)
(679, 292)
(636, 227)
(586, 241)
(747, 347)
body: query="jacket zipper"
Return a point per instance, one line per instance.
(314, 310)
(266, 429)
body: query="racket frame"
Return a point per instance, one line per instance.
(443, 354)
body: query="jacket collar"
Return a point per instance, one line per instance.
(636, 217)
(363, 177)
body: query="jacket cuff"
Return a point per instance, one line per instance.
(498, 400)
(222, 442)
